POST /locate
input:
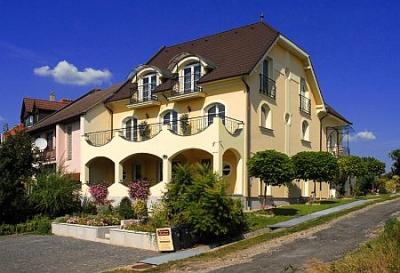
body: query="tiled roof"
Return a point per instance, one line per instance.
(47, 105)
(76, 108)
(234, 52)
(335, 113)
(125, 91)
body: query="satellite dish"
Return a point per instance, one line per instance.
(41, 143)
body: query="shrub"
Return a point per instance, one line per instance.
(87, 206)
(159, 216)
(139, 190)
(125, 209)
(54, 194)
(38, 225)
(93, 220)
(104, 210)
(99, 193)
(196, 199)
(140, 209)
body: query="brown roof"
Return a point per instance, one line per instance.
(335, 113)
(234, 52)
(76, 108)
(28, 104)
(124, 92)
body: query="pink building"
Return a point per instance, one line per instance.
(62, 131)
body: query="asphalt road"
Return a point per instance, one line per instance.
(326, 245)
(31, 253)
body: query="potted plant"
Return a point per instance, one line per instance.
(144, 130)
(185, 125)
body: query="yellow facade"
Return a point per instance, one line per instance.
(226, 143)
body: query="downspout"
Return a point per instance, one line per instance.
(247, 140)
(320, 131)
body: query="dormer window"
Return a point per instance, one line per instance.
(190, 77)
(149, 83)
(29, 121)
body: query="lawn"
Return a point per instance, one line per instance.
(258, 220)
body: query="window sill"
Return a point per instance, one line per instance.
(306, 142)
(266, 130)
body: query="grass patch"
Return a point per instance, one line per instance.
(257, 220)
(247, 243)
(380, 255)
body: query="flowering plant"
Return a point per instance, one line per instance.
(99, 193)
(139, 190)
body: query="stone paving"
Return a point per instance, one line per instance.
(34, 253)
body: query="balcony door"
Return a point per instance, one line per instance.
(216, 110)
(191, 74)
(171, 118)
(149, 83)
(130, 129)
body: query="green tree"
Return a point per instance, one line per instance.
(374, 168)
(16, 168)
(54, 193)
(196, 199)
(395, 156)
(351, 167)
(272, 168)
(316, 166)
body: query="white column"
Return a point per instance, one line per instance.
(167, 170)
(84, 176)
(217, 163)
(306, 189)
(119, 172)
(269, 190)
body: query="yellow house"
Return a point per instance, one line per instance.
(214, 100)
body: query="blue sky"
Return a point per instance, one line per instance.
(353, 44)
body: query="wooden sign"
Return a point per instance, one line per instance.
(164, 239)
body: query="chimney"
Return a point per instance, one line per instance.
(52, 96)
(262, 17)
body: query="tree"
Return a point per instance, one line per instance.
(196, 199)
(16, 168)
(316, 166)
(395, 156)
(374, 168)
(272, 168)
(351, 167)
(54, 193)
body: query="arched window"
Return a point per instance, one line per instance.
(130, 126)
(171, 118)
(214, 110)
(266, 116)
(305, 130)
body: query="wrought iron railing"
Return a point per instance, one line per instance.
(267, 86)
(305, 104)
(144, 93)
(182, 127)
(186, 84)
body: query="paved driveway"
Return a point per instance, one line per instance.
(31, 253)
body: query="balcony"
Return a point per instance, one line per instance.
(143, 97)
(186, 87)
(46, 156)
(305, 104)
(182, 127)
(267, 86)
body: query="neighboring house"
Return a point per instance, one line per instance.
(215, 100)
(62, 130)
(34, 110)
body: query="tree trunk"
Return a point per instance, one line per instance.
(265, 195)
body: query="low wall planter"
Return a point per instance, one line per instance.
(83, 232)
(131, 238)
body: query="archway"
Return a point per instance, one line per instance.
(192, 156)
(230, 169)
(142, 166)
(101, 171)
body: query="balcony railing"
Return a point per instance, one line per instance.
(181, 127)
(186, 85)
(46, 155)
(267, 86)
(305, 104)
(144, 94)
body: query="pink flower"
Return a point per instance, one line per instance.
(139, 190)
(99, 193)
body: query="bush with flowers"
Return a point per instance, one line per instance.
(139, 190)
(99, 193)
(93, 220)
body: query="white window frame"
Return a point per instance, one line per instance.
(192, 77)
(133, 130)
(149, 77)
